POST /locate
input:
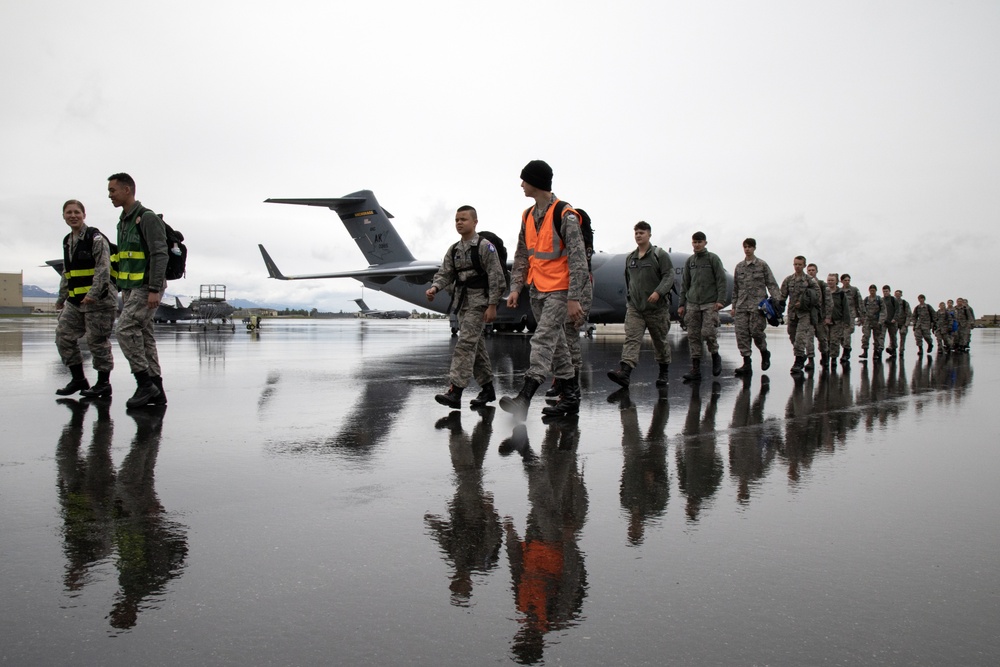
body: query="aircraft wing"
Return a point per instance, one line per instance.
(417, 272)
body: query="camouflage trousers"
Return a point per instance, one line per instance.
(945, 339)
(573, 331)
(903, 330)
(891, 329)
(920, 335)
(823, 337)
(837, 338)
(549, 351)
(135, 332)
(657, 321)
(470, 358)
(848, 334)
(702, 324)
(802, 333)
(873, 331)
(963, 336)
(750, 327)
(95, 325)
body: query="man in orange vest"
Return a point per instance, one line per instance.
(551, 258)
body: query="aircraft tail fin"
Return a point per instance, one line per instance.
(362, 305)
(272, 269)
(367, 223)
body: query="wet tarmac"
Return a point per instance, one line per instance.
(304, 501)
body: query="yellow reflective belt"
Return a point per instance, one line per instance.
(79, 290)
(76, 273)
(131, 254)
(131, 276)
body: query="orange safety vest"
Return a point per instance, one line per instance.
(548, 259)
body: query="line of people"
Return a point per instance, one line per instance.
(551, 260)
(93, 276)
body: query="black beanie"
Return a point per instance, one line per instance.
(538, 174)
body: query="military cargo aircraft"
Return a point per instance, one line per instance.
(394, 270)
(382, 314)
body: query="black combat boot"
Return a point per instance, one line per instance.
(716, 364)
(100, 390)
(451, 398)
(145, 391)
(746, 368)
(765, 360)
(621, 376)
(694, 375)
(810, 364)
(518, 405)
(845, 357)
(487, 394)
(930, 347)
(864, 354)
(824, 360)
(162, 398)
(569, 401)
(77, 383)
(798, 369)
(877, 356)
(554, 390)
(663, 378)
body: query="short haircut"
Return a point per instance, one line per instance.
(752, 242)
(845, 275)
(74, 201)
(921, 296)
(872, 286)
(124, 179)
(475, 216)
(899, 292)
(836, 278)
(699, 236)
(886, 287)
(642, 224)
(801, 257)
(812, 266)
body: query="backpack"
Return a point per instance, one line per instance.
(586, 227)
(481, 279)
(176, 250)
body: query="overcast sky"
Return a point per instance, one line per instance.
(864, 135)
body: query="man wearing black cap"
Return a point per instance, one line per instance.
(551, 258)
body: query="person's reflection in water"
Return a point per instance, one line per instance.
(85, 487)
(699, 466)
(752, 443)
(547, 568)
(645, 484)
(471, 535)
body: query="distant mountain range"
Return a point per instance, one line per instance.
(35, 292)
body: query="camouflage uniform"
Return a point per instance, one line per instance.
(96, 320)
(572, 330)
(135, 325)
(943, 329)
(549, 350)
(966, 319)
(873, 317)
(903, 314)
(923, 320)
(825, 309)
(890, 327)
(752, 282)
(802, 294)
(703, 285)
(470, 357)
(652, 272)
(854, 303)
(840, 318)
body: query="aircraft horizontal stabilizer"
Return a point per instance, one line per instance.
(417, 272)
(333, 204)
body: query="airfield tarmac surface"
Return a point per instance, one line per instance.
(304, 501)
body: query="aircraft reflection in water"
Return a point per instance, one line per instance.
(115, 516)
(393, 269)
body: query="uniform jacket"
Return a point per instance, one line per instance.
(704, 280)
(458, 267)
(652, 272)
(87, 271)
(141, 261)
(572, 242)
(752, 282)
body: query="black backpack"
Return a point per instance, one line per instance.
(481, 279)
(177, 252)
(586, 228)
